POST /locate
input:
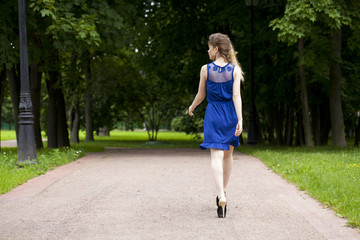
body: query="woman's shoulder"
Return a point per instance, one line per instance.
(204, 68)
(238, 73)
(237, 69)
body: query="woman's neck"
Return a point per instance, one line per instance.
(220, 61)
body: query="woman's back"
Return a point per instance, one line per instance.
(219, 82)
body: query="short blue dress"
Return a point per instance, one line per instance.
(220, 116)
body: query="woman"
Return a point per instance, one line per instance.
(223, 118)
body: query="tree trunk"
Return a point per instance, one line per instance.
(52, 109)
(357, 132)
(336, 114)
(289, 128)
(57, 127)
(299, 139)
(259, 132)
(35, 89)
(74, 119)
(14, 87)
(62, 128)
(270, 125)
(88, 102)
(303, 96)
(279, 124)
(2, 87)
(315, 113)
(325, 125)
(104, 131)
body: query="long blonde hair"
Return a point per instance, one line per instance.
(226, 49)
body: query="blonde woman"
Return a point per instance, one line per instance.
(220, 81)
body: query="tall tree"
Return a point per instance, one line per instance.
(35, 77)
(336, 113)
(304, 96)
(301, 20)
(288, 34)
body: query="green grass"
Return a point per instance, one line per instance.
(11, 135)
(7, 135)
(136, 139)
(330, 175)
(11, 175)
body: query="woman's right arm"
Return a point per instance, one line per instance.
(200, 96)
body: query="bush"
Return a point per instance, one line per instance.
(189, 125)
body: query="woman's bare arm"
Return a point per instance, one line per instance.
(237, 100)
(200, 96)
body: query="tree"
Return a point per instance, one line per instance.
(298, 23)
(336, 113)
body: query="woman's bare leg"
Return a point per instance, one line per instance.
(217, 157)
(227, 165)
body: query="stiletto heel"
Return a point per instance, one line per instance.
(222, 207)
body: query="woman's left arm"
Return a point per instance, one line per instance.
(237, 100)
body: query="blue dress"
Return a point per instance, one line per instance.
(220, 116)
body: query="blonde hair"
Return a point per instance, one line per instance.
(226, 49)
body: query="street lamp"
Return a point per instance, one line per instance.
(252, 128)
(26, 143)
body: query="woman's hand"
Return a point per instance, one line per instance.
(239, 129)
(190, 111)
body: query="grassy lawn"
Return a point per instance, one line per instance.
(11, 175)
(330, 175)
(11, 135)
(7, 135)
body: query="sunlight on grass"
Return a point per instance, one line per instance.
(7, 135)
(137, 139)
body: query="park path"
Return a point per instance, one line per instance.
(162, 194)
(9, 143)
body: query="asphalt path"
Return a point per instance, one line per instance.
(163, 194)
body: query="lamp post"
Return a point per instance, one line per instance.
(26, 142)
(252, 128)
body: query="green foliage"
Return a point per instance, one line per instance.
(7, 115)
(330, 175)
(68, 22)
(190, 125)
(300, 16)
(145, 59)
(9, 40)
(118, 90)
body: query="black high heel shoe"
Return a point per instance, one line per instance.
(221, 211)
